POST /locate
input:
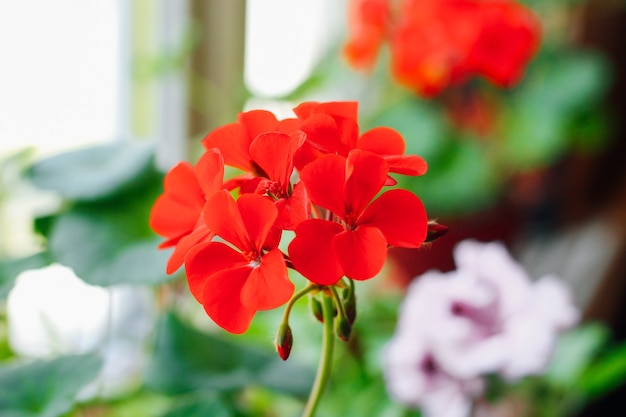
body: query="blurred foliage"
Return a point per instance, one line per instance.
(101, 231)
(45, 388)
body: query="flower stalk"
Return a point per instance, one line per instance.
(326, 358)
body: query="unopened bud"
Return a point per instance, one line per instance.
(284, 341)
(343, 328)
(435, 231)
(316, 309)
(349, 307)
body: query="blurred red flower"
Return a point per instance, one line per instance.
(438, 43)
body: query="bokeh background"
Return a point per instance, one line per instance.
(99, 98)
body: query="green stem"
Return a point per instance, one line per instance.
(326, 359)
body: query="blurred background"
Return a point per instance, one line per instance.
(99, 98)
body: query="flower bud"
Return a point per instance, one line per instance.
(435, 231)
(316, 309)
(349, 306)
(343, 327)
(284, 341)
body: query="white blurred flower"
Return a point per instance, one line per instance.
(485, 317)
(51, 312)
(415, 378)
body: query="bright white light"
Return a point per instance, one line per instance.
(59, 78)
(283, 41)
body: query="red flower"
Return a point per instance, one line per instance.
(331, 128)
(234, 283)
(355, 246)
(234, 139)
(508, 38)
(273, 153)
(177, 213)
(438, 43)
(368, 20)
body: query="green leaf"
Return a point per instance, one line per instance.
(110, 242)
(10, 269)
(574, 352)
(537, 121)
(95, 172)
(209, 404)
(45, 388)
(608, 372)
(186, 359)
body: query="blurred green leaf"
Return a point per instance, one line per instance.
(540, 114)
(462, 181)
(10, 269)
(424, 129)
(186, 359)
(574, 352)
(605, 374)
(209, 404)
(95, 172)
(110, 242)
(45, 388)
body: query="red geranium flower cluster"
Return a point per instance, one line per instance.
(438, 43)
(313, 174)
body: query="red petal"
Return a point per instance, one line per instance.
(176, 211)
(222, 216)
(206, 259)
(258, 214)
(304, 110)
(210, 171)
(383, 141)
(305, 155)
(312, 254)
(216, 274)
(268, 285)
(274, 151)
(366, 174)
(199, 235)
(324, 134)
(407, 164)
(238, 181)
(293, 210)
(361, 252)
(172, 219)
(400, 216)
(347, 109)
(257, 122)
(233, 142)
(324, 179)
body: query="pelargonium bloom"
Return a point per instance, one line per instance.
(273, 153)
(438, 43)
(332, 128)
(353, 239)
(485, 317)
(234, 139)
(234, 280)
(177, 213)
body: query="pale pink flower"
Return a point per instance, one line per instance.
(485, 317)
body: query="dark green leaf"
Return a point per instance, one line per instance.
(95, 172)
(45, 388)
(608, 372)
(186, 359)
